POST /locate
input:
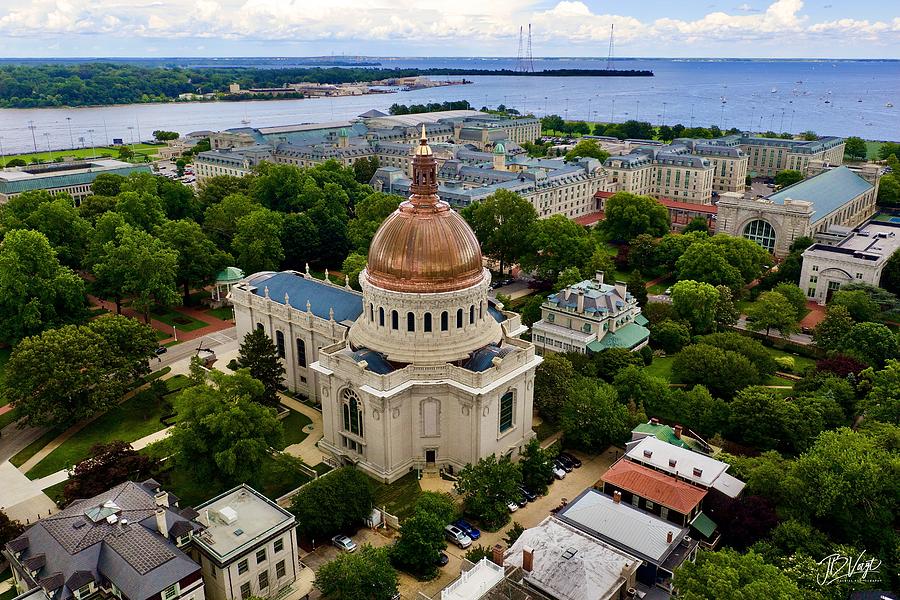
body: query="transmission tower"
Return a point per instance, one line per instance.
(529, 57)
(609, 58)
(520, 65)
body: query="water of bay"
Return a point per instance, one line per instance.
(829, 97)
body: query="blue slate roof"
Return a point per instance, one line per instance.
(375, 362)
(828, 191)
(321, 296)
(482, 359)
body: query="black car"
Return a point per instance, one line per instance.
(443, 559)
(161, 350)
(565, 466)
(529, 495)
(573, 460)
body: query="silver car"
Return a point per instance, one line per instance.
(344, 543)
(457, 536)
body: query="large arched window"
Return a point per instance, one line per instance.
(459, 318)
(507, 410)
(381, 316)
(371, 312)
(760, 232)
(301, 352)
(445, 321)
(410, 321)
(471, 314)
(279, 343)
(395, 320)
(426, 325)
(353, 417)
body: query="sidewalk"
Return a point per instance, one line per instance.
(306, 450)
(214, 324)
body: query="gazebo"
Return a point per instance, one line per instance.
(224, 280)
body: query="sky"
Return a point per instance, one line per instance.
(644, 28)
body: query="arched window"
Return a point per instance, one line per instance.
(410, 321)
(381, 316)
(395, 320)
(459, 318)
(426, 327)
(301, 352)
(259, 326)
(353, 417)
(761, 232)
(279, 343)
(371, 312)
(445, 321)
(471, 314)
(480, 310)
(507, 410)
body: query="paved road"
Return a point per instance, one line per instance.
(798, 338)
(225, 337)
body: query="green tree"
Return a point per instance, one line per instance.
(829, 334)
(178, 200)
(872, 343)
(726, 312)
(889, 191)
(637, 287)
(589, 149)
(537, 467)
(125, 153)
(364, 168)
(855, 148)
(857, 302)
(559, 243)
(220, 219)
(260, 357)
(363, 575)
(890, 275)
(330, 218)
(746, 346)
(882, 403)
(164, 136)
(257, 241)
(36, 292)
(772, 310)
(758, 417)
(887, 149)
(552, 383)
(568, 277)
(9, 529)
(592, 418)
(72, 372)
(54, 216)
(213, 190)
(487, 487)
(353, 266)
(794, 295)
(788, 177)
(16, 162)
(348, 488)
(422, 537)
(695, 302)
(642, 253)
(371, 212)
(139, 265)
(699, 224)
(669, 336)
(300, 241)
(705, 263)
(729, 574)
(278, 187)
(141, 209)
(199, 261)
(723, 372)
(223, 434)
(629, 215)
(504, 223)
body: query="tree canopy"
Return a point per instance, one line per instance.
(504, 223)
(629, 215)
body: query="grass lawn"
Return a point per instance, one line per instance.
(545, 430)
(9, 594)
(801, 363)
(293, 428)
(181, 321)
(662, 286)
(225, 313)
(399, 496)
(99, 152)
(55, 492)
(135, 418)
(872, 149)
(661, 367)
(32, 448)
(335, 277)
(9, 417)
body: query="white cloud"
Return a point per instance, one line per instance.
(458, 25)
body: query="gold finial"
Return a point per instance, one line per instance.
(423, 138)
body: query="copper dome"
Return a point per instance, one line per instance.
(424, 246)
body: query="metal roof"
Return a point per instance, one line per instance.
(322, 296)
(629, 336)
(14, 182)
(686, 461)
(828, 191)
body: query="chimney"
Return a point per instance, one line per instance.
(698, 471)
(621, 288)
(527, 559)
(580, 301)
(678, 431)
(669, 538)
(654, 421)
(617, 496)
(162, 498)
(598, 275)
(497, 554)
(161, 522)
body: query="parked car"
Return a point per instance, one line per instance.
(528, 494)
(457, 536)
(521, 501)
(161, 350)
(467, 528)
(342, 542)
(558, 471)
(565, 466)
(571, 458)
(668, 291)
(512, 506)
(443, 559)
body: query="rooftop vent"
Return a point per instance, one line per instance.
(648, 453)
(568, 554)
(238, 532)
(228, 515)
(112, 519)
(672, 462)
(698, 471)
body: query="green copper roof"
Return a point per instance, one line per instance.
(641, 320)
(17, 186)
(499, 148)
(828, 191)
(229, 274)
(704, 525)
(626, 337)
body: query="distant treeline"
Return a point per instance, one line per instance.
(414, 109)
(32, 86)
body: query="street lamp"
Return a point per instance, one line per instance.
(50, 152)
(93, 152)
(32, 127)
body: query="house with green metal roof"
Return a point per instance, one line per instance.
(73, 178)
(590, 316)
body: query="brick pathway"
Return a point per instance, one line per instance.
(213, 323)
(816, 315)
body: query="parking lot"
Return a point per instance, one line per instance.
(326, 552)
